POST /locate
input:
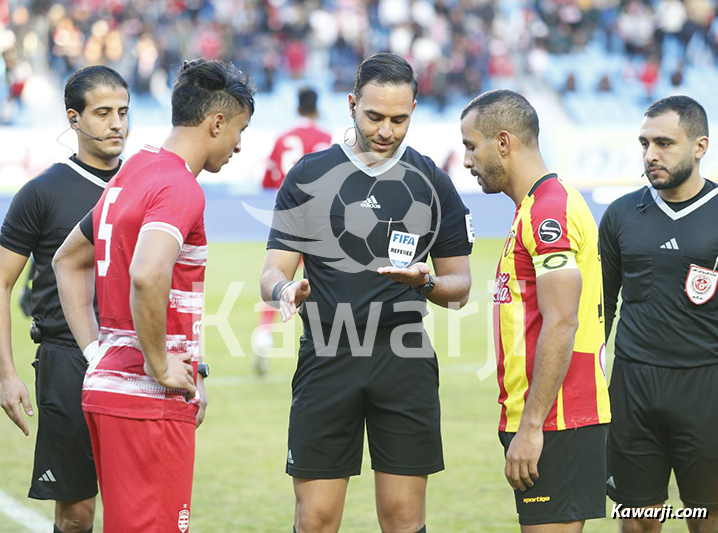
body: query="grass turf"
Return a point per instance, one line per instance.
(240, 484)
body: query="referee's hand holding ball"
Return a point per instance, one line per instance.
(292, 297)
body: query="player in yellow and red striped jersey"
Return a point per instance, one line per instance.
(548, 322)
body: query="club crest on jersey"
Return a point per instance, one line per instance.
(701, 284)
(502, 292)
(550, 231)
(183, 520)
(402, 248)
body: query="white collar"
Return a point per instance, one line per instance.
(376, 171)
(84, 173)
(675, 215)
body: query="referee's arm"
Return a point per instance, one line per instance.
(611, 267)
(558, 294)
(13, 392)
(276, 285)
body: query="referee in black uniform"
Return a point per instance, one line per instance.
(41, 215)
(660, 245)
(389, 385)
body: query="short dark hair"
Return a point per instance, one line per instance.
(307, 101)
(204, 87)
(87, 79)
(504, 110)
(691, 115)
(385, 69)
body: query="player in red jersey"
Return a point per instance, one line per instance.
(306, 137)
(141, 396)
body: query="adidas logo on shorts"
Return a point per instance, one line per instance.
(47, 476)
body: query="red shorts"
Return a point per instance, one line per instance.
(144, 468)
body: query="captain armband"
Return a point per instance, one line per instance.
(543, 264)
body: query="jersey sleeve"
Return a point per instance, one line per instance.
(86, 227)
(22, 227)
(456, 234)
(556, 231)
(288, 217)
(175, 208)
(610, 265)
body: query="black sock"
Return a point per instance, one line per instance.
(422, 530)
(294, 529)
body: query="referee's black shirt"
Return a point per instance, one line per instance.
(310, 190)
(647, 248)
(42, 214)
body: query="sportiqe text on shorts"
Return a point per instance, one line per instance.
(155, 190)
(552, 229)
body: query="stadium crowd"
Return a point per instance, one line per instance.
(456, 46)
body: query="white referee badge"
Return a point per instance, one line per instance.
(402, 248)
(701, 284)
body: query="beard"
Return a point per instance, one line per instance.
(492, 175)
(677, 176)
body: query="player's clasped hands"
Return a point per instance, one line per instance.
(178, 375)
(413, 275)
(522, 459)
(292, 297)
(14, 397)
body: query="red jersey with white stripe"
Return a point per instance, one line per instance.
(306, 138)
(154, 190)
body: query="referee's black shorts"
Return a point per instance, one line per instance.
(663, 419)
(396, 397)
(64, 468)
(572, 477)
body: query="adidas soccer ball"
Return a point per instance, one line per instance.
(366, 210)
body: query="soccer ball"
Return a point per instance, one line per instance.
(368, 209)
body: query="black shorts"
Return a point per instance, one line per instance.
(333, 397)
(663, 419)
(572, 477)
(64, 468)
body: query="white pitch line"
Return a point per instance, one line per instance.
(22, 515)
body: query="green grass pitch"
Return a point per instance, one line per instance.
(240, 484)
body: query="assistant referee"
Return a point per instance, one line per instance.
(659, 246)
(41, 215)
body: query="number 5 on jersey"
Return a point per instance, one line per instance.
(105, 231)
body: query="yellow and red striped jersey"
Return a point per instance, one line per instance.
(552, 229)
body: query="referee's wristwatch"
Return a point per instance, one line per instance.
(203, 370)
(426, 288)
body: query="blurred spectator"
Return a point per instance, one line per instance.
(649, 77)
(677, 79)
(604, 85)
(457, 47)
(570, 85)
(635, 26)
(671, 18)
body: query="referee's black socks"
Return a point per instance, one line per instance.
(56, 530)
